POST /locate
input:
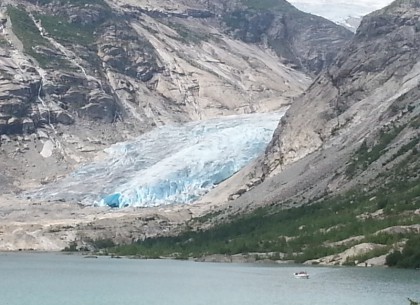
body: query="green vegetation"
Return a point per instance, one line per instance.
(365, 155)
(415, 123)
(236, 20)
(32, 40)
(103, 243)
(71, 248)
(300, 233)
(27, 32)
(266, 4)
(59, 29)
(64, 31)
(75, 32)
(97, 244)
(189, 36)
(316, 230)
(409, 257)
(4, 42)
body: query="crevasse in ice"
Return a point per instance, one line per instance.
(169, 165)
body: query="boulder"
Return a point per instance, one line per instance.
(3, 126)
(74, 98)
(101, 107)
(98, 112)
(14, 125)
(28, 126)
(64, 118)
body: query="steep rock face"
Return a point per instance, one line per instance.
(308, 42)
(151, 67)
(59, 86)
(365, 89)
(19, 86)
(357, 120)
(316, 46)
(94, 73)
(77, 76)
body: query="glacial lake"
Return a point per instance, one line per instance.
(58, 279)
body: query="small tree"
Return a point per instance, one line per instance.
(71, 248)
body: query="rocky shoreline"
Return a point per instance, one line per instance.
(53, 226)
(250, 258)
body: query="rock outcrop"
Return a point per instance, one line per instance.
(19, 87)
(368, 99)
(371, 84)
(81, 76)
(298, 38)
(87, 74)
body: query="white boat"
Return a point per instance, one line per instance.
(301, 275)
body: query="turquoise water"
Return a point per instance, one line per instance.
(57, 279)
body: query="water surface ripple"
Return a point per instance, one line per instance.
(57, 279)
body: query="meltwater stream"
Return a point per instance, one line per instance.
(169, 165)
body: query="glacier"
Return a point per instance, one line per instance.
(172, 164)
(341, 10)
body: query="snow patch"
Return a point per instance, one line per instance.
(340, 11)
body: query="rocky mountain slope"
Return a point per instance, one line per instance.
(355, 125)
(340, 181)
(77, 76)
(370, 89)
(345, 154)
(349, 141)
(346, 13)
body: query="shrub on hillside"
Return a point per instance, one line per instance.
(409, 257)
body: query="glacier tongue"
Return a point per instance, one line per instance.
(169, 165)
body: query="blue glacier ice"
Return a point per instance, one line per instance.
(172, 164)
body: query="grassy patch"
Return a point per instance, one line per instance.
(59, 27)
(266, 4)
(27, 32)
(71, 248)
(102, 243)
(208, 216)
(365, 155)
(189, 36)
(415, 123)
(236, 20)
(64, 31)
(4, 42)
(409, 257)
